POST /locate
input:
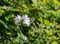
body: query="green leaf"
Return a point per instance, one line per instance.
(3, 24)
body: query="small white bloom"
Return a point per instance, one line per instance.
(26, 19)
(24, 37)
(17, 18)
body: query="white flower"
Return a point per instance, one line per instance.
(26, 19)
(24, 37)
(17, 18)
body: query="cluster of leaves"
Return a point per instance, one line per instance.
(45, 22)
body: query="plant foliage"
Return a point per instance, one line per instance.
(30, 21)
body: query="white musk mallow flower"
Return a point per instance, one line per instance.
(26, 20)
(17, 18)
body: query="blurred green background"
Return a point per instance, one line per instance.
(44, 27)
